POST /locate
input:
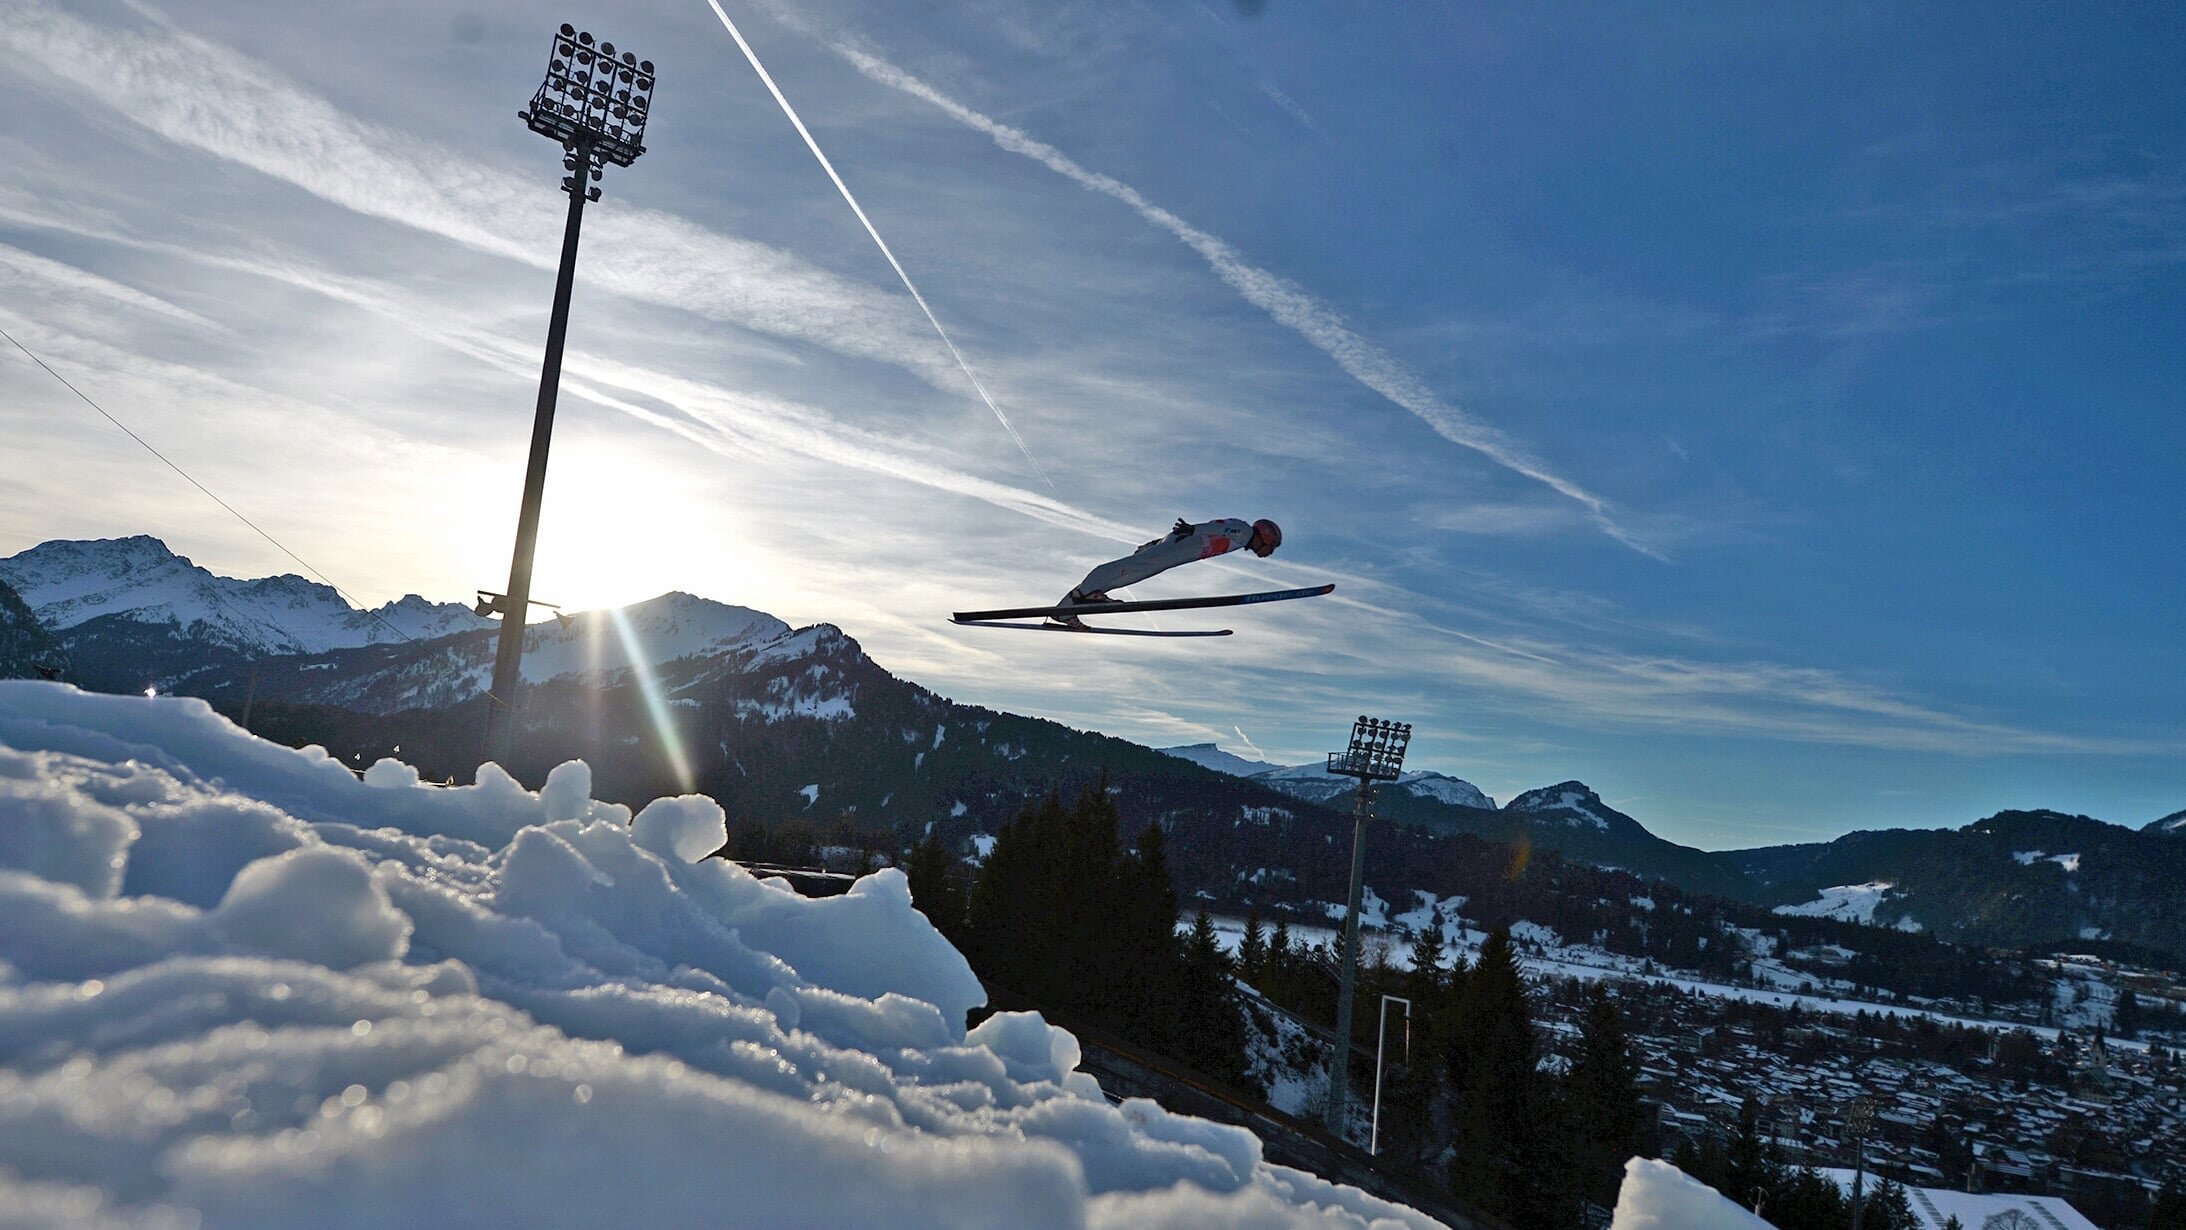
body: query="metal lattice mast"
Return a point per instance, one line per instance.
(1376, 754)
(595, 105)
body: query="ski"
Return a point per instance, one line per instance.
(995, 623)
(1157, 604)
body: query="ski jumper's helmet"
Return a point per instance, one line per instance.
(1269, 530)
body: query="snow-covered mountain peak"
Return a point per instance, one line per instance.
(651, 634)
(2173, 824)
(819, 640)
(676, 620)
(69, 583)
(1208, 756)
(1572, 802)
(1316, 783)
(1446, 788)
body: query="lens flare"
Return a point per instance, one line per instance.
(641, 670)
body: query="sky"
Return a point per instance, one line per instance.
(1765, 415)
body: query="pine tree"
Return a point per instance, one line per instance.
(1148, 989)
(1426, 974)
(1013, 940)
(1211, 1018)
(1282, 961)
(1602, 1093)
(1747, 1174)
(1507, 1159)
(932, 889)
(1889, 1209)
(1252, 951)
(1084, 877)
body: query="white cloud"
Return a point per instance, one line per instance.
(207, 97)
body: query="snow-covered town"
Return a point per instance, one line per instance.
(1956, 1102)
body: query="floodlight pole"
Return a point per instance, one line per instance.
(581, 106)
(1376, 754)
(516, 604)
(1860, 1116)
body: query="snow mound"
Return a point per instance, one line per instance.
(1659, 1196)
(242, 987)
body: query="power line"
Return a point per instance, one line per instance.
(345, 596)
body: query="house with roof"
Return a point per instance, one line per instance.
(1934, 1206)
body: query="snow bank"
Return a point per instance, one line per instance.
(241, 987)
(1659, 1196)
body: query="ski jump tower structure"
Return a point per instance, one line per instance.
(1376, 754)
(594, 103)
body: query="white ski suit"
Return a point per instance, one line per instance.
(1207, 539)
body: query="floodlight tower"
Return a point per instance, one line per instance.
(1376, 754)
(594, 103)
(1860, 1118)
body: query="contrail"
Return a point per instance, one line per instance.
(1279, 298)
(878, 242)
(1250, 746)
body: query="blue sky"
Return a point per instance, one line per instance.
(1768, 415)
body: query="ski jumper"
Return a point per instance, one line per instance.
(1207, 539)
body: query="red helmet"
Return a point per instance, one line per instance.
(1273, 533)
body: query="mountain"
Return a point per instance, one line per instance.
(603, 648)
(1208, 756)
(27, 650)
(1315, 782)
(1568, 818)
(132, 613)
(799, 728)
(2015, 878)
(2172, 825)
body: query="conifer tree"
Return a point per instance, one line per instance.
(1507, 1145)
(1746, 1174)
(1147, 961)
(1889, 1209)
(1803, 1200)
(1426, 972)
(1013, 940)
(1252, 951)
(932, 889)
(1084, 878)
(1602, 1094)
(1211, 1018)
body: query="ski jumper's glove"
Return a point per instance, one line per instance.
(1182, 529)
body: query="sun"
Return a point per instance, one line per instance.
(618, 527)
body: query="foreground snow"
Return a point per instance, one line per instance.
(1659, 1196)
(240, 987)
